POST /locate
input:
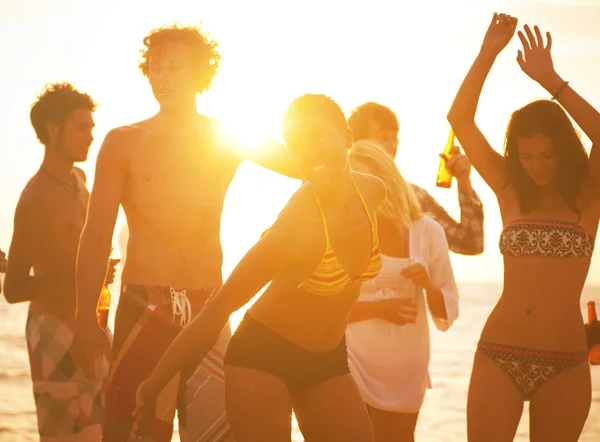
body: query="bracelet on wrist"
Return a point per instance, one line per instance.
(562, 88)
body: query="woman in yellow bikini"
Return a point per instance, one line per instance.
(533, 346)
(289, 350)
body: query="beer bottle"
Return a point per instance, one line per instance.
(593, 334)
(103, 307)
(444, 177)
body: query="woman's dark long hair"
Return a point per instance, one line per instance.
(546, 118)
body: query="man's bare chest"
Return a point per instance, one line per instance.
(63, 217)
(161, 181)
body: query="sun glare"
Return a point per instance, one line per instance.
(246, 132)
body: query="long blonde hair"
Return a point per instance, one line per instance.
(400, 205)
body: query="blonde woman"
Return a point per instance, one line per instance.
(388, 335)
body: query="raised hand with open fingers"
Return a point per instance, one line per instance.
(499, 33)
(535, 59)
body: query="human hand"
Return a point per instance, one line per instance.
(458, 165)
(535, 59)
(397, 311)
(499, 33)
(418, 274)
(90, 342)
(145, 408)
(3, 262)
(110, 273)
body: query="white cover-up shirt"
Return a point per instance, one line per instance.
(390, 362)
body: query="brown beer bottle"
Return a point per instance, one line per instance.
(444, 177)
(593, 334)
(103, 307)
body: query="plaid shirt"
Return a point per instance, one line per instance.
(464, 237)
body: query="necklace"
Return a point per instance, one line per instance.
(70, 187)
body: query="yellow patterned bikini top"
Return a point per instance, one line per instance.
(330, 277)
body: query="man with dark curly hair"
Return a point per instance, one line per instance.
(49, 218)
(170, 173)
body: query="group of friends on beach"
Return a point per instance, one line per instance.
(355, 265)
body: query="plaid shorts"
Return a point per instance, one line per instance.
(67, 404)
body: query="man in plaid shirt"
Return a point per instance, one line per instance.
(374, 121)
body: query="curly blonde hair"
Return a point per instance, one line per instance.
(400, 205)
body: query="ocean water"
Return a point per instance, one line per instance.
(442, 417)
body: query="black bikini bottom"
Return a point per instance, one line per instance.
(256, 346)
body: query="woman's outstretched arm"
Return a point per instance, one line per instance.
(488, 162)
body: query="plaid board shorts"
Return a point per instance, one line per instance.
(68, 406)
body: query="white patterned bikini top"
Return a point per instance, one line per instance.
(558, 239)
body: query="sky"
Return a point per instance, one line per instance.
(409, 55)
